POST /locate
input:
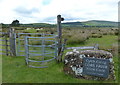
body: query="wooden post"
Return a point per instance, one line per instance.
(59, 29)
(12, 42)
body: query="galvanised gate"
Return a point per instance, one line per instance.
(40, 50)
(20, 42)
(37, 48)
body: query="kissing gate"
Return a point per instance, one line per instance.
(38, 48)
(39, 55)
(38, 51)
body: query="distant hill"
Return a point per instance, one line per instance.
(91, 23)
(101, 23)
(73, 24)
(41, 25)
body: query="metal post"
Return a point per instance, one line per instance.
(6, 44)
(26, 49)
(43, 47)
(18, 47)
(12, 42)
(96, 47)
(15, 43)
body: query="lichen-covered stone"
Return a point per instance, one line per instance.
(73, 63)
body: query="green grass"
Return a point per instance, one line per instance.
(15, 70)
(31, 31)
(106, 41)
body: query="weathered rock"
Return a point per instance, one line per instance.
(73, 63)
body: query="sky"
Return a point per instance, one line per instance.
(46, 11)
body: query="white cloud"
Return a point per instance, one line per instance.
(31, 11)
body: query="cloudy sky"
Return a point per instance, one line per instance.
(45, 11)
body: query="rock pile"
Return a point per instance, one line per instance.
(73, 63)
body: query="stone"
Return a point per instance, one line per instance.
(73, 63)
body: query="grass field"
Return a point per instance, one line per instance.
(15, 70)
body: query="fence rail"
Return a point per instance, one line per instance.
(4, 43)
(85, 47)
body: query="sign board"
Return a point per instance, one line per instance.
(96, 67)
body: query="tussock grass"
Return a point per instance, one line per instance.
(75, 37)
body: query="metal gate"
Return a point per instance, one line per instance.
(40, 50)
(4, 43)
(20, 42)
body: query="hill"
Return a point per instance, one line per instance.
(100, 23)
(91, 23)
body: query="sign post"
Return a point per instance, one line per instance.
(59, 30)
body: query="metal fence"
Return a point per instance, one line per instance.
(20, 41)
(4, 43)
(39, 54)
